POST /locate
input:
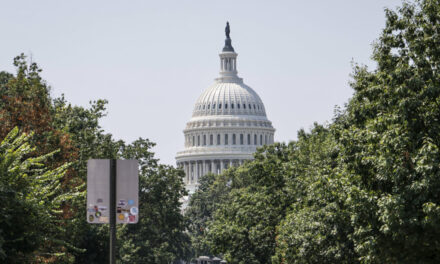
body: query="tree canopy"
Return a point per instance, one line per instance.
(67, 136)
(361, 189)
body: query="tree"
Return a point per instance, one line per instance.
(160, 236)
(76, 134)
(317, 227)
(390, 141)
(31, 195)
(244, 225)
(201, 207)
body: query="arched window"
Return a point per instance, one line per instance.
(244, 106)
(265, 139)
(211, 139)
(208, 106)
(232, 106)
(238, 106)
(255, 139)
(233, 139)
(254, 107)
(241, 139)
(220, 106)
(198, 140)
(218, 139)
(226, 139)
(261, 139)
(203, 107)
(226, 106)
(249, 139)
(250, 106)
(194, 141)
(204, 140)
(213, 106)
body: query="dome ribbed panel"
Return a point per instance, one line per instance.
(229, 93)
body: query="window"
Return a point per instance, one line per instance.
(194, 141)
(211, 139)
(238, 106)
(226, 106)
(203, 107)
(198, 140)
(241, 139)
(250, 106)
(244, 106)
(265, 139)
(232, 106)
(255, 139)
(261, 139)
(204, 140)
(254, 107)
(258, 107)
(208, 106)
(249, 139)
(226, 139)
(218, 139)
(213, 106)
(233, 139)
(219, 106)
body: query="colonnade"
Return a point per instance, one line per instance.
(197, 168)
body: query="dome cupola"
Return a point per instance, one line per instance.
(228, 123)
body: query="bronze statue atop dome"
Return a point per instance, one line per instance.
(228, 44)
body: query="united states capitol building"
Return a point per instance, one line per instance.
(228, 123)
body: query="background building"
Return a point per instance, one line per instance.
(228, 123)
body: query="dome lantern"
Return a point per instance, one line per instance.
(228, 61)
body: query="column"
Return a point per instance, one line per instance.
(221, 166)
(230, 163)
(191, 172)
(213, 166)
(196, 174)
(185, 168)
(204, 167)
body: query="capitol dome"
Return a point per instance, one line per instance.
(227, 125)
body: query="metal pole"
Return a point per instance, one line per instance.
(112, 211)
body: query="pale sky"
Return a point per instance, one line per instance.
(152, 59)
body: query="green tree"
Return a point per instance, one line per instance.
(31, 195)
(390, 141)
(244, 225)
(160, 236)
(76, 132)
(201, 207)
(317, 226)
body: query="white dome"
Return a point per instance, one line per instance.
(229, 98)
(228, 124)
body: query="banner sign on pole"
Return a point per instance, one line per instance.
(98, 191)
(127, 191)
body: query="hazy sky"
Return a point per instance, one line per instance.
(152, 59)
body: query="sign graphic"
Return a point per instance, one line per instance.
(98, 191)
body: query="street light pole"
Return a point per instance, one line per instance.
(112, 211)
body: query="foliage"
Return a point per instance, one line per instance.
(76, 133)
(160, 236)
(244, 225)
(365, 188)
(31, 195)
(199, 212)
(390, 141)
(317, 226)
